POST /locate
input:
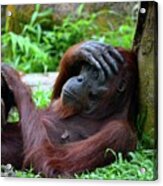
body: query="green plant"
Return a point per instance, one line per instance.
(13, 115)
(27, 174)
(41, 98)
(35, 49)
(38, 49)
(124, 36)
(25, 51)
(142, 166)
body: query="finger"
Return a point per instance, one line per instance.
(115, 54)
(94, 46)
(88, 57)
(106, 68)
(90, 50)
(101, 47)
(111, 62)
(104, 65)
(94, 43)
(107, 57)
(97, 46)
(97, 54)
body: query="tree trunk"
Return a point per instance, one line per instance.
(146, 46)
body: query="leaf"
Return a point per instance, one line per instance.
(80, 9)
(108, 150)
(33, 18)
(39, 31)
(45, 13)
(14, 43)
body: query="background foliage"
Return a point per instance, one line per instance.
(37, 49)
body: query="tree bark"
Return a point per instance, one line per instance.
(146, 46)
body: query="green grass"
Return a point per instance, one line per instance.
(140, 167)
(26, 174)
